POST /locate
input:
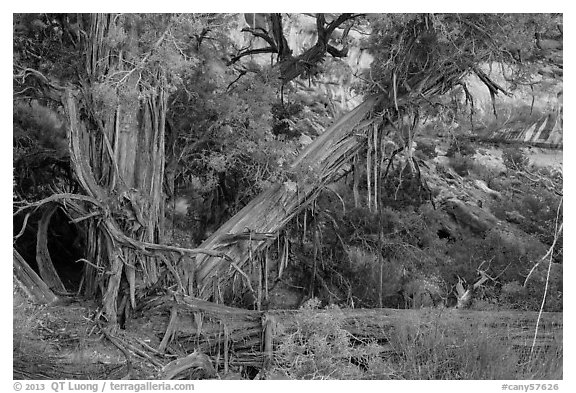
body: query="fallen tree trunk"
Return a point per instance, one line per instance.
(29, 282)
(45, 265)
(237, 337)
(275, 207)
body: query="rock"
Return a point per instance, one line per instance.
(491, 159)
(469, 216)
(442, 161)
(304, 140)
(515, 217)
(482, 185)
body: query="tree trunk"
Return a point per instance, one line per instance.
(45, 265)
(27, 280)
(253, 335)
(117, 152)
(255, 226)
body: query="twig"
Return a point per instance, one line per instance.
(243, 275)
(23, 226)
(124, 351)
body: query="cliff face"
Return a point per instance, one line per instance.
(531, 115)
(337, 76)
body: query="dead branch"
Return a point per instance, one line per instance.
(253, 336)
(195, 360)
(117, 343)
(30, 283)
(544, 181)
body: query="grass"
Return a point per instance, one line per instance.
(447, 352)
(320, 348)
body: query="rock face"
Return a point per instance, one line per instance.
(546, 131)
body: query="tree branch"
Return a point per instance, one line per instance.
(338, 21)
(284, 50)
(335, 52)
(251, 52)
(261, 34)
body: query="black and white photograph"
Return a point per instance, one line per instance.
(286, 196)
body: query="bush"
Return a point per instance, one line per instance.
(462, 164)
(486, 174)
(317, 346)
(514, 158)
(426, 150)
(403, 189)
(320, 348)
(460, 146)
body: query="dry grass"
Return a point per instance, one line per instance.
(320, 348)
(446, 351)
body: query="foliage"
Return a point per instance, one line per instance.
(488, 174)
(222, 147)
(320, 348)
(514, 158)
(358, 257)
(427, 150)
(533, 208)
(450, 351)
(282, 119)
(407, 45)
(461, 146)
(403, 188)
(40, 148)
(461, 164)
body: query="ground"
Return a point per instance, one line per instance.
(62, 341)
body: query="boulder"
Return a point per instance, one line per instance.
(482, 186)
(469, 216)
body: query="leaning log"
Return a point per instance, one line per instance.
(274, 208)
(45, 266)
(238, 337)
(29, 282)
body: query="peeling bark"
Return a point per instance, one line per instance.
(275, 207)
(253, 335)
(118, 159)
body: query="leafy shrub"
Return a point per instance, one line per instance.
(318, 347)
(538, 206)
(283, 114)
(461, 164)
(426, 150)
(514, 158)
(486, 174)
(40, 147)
(402, 188)
(460, 146)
